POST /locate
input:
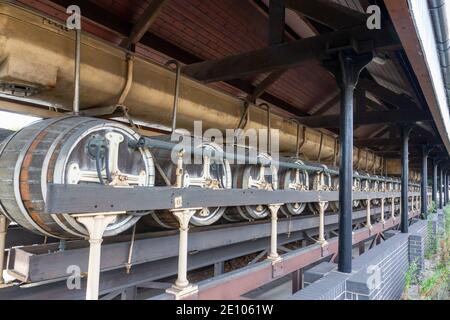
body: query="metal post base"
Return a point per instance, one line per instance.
(383, 221)
(180, 293)
(368, 221)
(273, 255)
(393, 210)
(3, 228)
(182, 287)
(323, 243)
(96, 226)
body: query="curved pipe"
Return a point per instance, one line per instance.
(269, 127)
(129, 81)
(177, 91)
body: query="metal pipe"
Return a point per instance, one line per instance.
(129, 81)
(269, 127)
(171, 146)
(438, 12)
(76, 95)
(405, 171)
(177, 92)
(297, 143)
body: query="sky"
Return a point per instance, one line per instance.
(15, 121)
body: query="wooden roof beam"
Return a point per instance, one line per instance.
(275, 36)
(330, 14)
(367, 118)
(291, 54)
(141, 27)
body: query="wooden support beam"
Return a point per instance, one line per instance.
(376, 142)
(328, 105)
(265, 84)
(276, 36)
(397, 100)
(367, 118)
(276, 22)
(374, 105)
(289, 55)
(389, 142)
(330, 14)
(144, 23)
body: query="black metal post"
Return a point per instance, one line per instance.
(434, 186)
(441, 175)
(444, 188)
(347, 74)
(424, 182)
(406, 129)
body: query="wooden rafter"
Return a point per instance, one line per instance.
(292, 54)
(330, 14)
(144, 23)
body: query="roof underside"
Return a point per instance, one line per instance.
(198, 30)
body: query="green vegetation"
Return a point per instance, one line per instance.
(436, 285)
(434, 282)
(432, 208)
(411, 277)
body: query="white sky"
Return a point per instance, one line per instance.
(15, 121)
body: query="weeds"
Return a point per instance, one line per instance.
(432, 283)
(436, 286)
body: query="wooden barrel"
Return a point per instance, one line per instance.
(58, 150)
(319, 181)
(262, 176)
(293, 179)
(206, 172)
(335, 187)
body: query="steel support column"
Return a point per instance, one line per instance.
(446, 188)
(405, 131)
(424, 181)
(347, 70)
(434, 186)
(441, 178)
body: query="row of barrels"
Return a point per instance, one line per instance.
(82, 150)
